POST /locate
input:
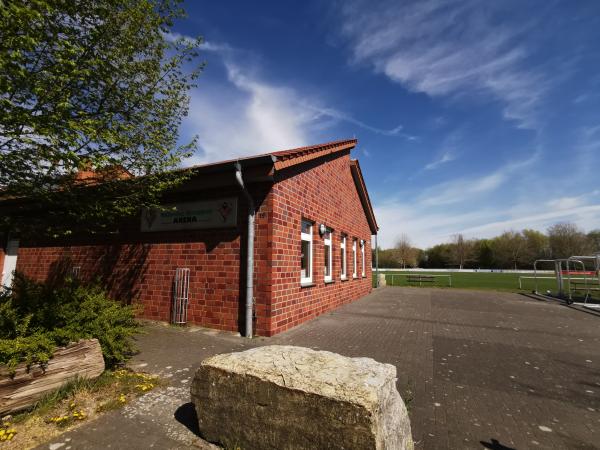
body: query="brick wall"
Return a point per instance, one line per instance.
(140, 267)
(323, 193)
(143, 272)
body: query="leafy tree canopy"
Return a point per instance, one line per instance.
(92, 94)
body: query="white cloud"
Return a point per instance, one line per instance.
(248, 115)
(445, 158)
(429, 226)
(563, 203)
(469, 205)
(447, 48)
(456, 191)
(466, 189)
(245, 117)
(173, 37)
(587, 217)
(342, 116)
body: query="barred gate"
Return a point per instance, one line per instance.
(181, 289)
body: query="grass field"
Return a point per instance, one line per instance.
(497, 281)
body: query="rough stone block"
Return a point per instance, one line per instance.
(285, 397)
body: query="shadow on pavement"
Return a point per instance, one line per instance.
(186, 415)
(494, 444)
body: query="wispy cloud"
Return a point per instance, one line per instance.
(246, 116)
(344, 117)
(208, 46)
(249, 115)
(445, 48)
(466, 189)
(427, 226)
(445, 158)
(584, 216)
(463, 189)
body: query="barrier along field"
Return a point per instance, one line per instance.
(498, 281)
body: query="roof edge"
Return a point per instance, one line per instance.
(295, 156)
(364, 195)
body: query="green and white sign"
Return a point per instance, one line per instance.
(219, 213)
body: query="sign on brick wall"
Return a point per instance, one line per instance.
(218, 213)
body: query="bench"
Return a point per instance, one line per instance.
(589, 286)
(421, 279)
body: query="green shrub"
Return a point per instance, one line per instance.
(35, 318)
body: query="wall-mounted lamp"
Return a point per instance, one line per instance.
(322, 229)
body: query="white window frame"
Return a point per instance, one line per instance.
(309, 238)
(354, 262)
(362, 256)
(328, 243)
(343, 270)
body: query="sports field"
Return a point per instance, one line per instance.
(498, 281)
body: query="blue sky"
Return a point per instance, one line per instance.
(472, 117)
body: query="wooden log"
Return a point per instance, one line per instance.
(23, 388)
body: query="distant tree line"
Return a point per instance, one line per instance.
(510, 250)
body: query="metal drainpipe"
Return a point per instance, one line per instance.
(376, 263)
(250, 253)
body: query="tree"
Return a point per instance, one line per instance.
(536, 246)
(509, 248)
(439, 256)
(484, 253)
(566, 240)
(405, 253)
(594, 240)
(91, 98)
(462, 250)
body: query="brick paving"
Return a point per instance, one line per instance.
(477, 369)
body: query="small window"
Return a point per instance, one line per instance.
(354, 262)
(328, 256)
(306, 253)
(362, 256)
(343, 272)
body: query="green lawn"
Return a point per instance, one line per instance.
(477, 280)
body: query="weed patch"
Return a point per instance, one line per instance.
(77, 402)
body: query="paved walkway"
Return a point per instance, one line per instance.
(477, 369)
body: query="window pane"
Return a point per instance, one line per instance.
(327, 265)
(304, 260)
(306, 227)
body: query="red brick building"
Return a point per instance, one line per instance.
(312, 228)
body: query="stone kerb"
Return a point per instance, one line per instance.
(289, 397)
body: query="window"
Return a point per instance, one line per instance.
(328, 256)
(362, 256)
(343, 273)
(306, 253)
(354, 265)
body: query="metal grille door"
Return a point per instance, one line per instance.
(181, 289)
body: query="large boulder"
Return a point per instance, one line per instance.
(284, 397)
